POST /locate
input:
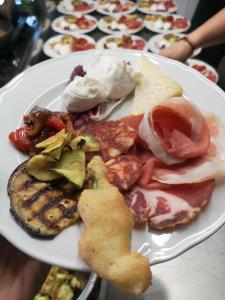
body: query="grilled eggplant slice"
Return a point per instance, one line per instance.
(42, 208)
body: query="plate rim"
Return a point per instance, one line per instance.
(183, 246)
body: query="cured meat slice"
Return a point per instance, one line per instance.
(114, 136)
(175, 130)
(138, 206)
(171, 206)
(208, 166)
(134, 121)
(124, 171)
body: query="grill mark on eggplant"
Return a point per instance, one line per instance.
(68, 212)
(35, 197)
(28, 184)
(51, 204)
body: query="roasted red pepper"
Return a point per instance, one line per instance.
(55, 123)
(21, 138)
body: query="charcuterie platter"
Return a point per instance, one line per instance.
(199, 202)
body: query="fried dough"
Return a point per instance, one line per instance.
(105, 243)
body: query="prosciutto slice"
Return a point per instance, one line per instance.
(208, 166)
(175, 131)
(169, 206)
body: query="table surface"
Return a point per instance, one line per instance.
(198, 274)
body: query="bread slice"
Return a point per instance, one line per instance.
(153, 87)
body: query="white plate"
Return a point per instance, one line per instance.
(63, 10)
(60, 29)
(150, 11)
(100, 43)
(102, 26)
(42, 85)
(51, 52)
(101, 10)
(152, 44)
(194, 61)
(157, 30)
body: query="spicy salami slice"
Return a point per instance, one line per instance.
(134, 121)
(114, 136)
(124, 171)
(171, 206)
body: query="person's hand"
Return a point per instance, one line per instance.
(180, 51)
(20, 275)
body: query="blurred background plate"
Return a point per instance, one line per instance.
(108, 8)
(59, 23)
(156, 7)
(160, 41)
(163, 27)
(204, 68)
(54, 47)
(102, 25)
(63, 9)
(137, 42)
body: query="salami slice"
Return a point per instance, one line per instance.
(171, 206)
(124, 171)
(114, 136)
(134, 121)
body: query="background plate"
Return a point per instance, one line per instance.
(100, 10)
(63, 10)
(42, 85)
(102, 27)
(49, 51)
(153, 47)
(194, 61)
(100, 43)
(154, 29)
(150, 11)
(59, 29)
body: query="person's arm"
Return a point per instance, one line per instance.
(211, 33)
(20, 275)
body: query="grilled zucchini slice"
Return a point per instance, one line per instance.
(39, 167)
(55, 144)
(42, 208)
(72, 166)
(86, 142)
